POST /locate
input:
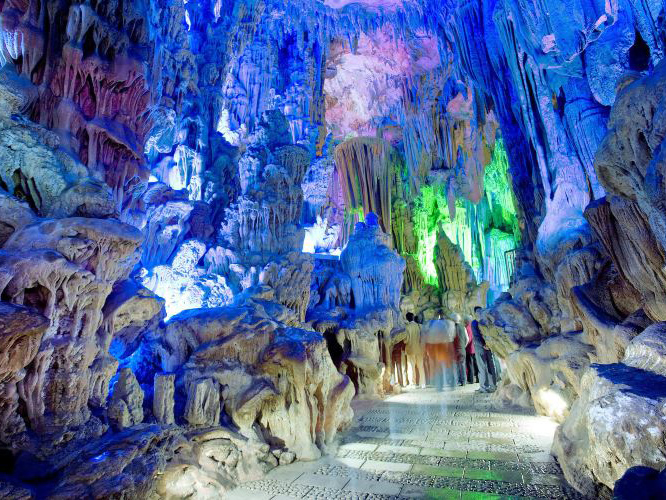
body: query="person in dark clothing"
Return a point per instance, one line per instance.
(470, 358)
(484, 358)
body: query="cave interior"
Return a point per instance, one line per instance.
(231, 230)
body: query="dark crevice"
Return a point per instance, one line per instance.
(639, 54)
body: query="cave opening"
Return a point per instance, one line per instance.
(336, 351)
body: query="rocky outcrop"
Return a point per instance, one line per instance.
(290, 278)
(527, 328)
(164, 398)
(126, 406)
(174, 463)
(65, 270)
(21, 331)
(457, 282)
(185, 284)
(171, 220)
(617, 422)
(375, 270)
(241, 361)
(34, 167)
(264, 222)
(630, 163)
(15, 215)
(129, 311)
(203, 403)
(357, 308)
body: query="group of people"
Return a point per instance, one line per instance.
(449, 353)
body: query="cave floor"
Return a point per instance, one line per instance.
(427, 444)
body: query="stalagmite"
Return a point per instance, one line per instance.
(203, 403)
(163, 398)
(126, 406)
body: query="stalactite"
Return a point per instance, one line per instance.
(365, 168)
(484, 232)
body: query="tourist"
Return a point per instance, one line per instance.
(438, 338)
(414, 353)
(470, 358)
(484, 358)
(460, 344)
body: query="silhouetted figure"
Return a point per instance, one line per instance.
(484, 358)
(470, 358)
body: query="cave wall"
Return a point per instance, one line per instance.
(162, 164)
(586, 288)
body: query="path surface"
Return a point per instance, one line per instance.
(425, 444)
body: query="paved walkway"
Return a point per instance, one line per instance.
(425, 444)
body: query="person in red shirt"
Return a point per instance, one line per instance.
(470, 358)
(460, 344)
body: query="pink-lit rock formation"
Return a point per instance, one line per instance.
(92, 88)
(366, 85)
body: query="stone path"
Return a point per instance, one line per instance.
(425, 444)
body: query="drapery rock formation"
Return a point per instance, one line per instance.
(365, 170)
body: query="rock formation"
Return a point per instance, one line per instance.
(587, 349)
(627, 393)
(356, 306)
(217, 219)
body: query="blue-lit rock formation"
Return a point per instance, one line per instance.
(216, 215)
